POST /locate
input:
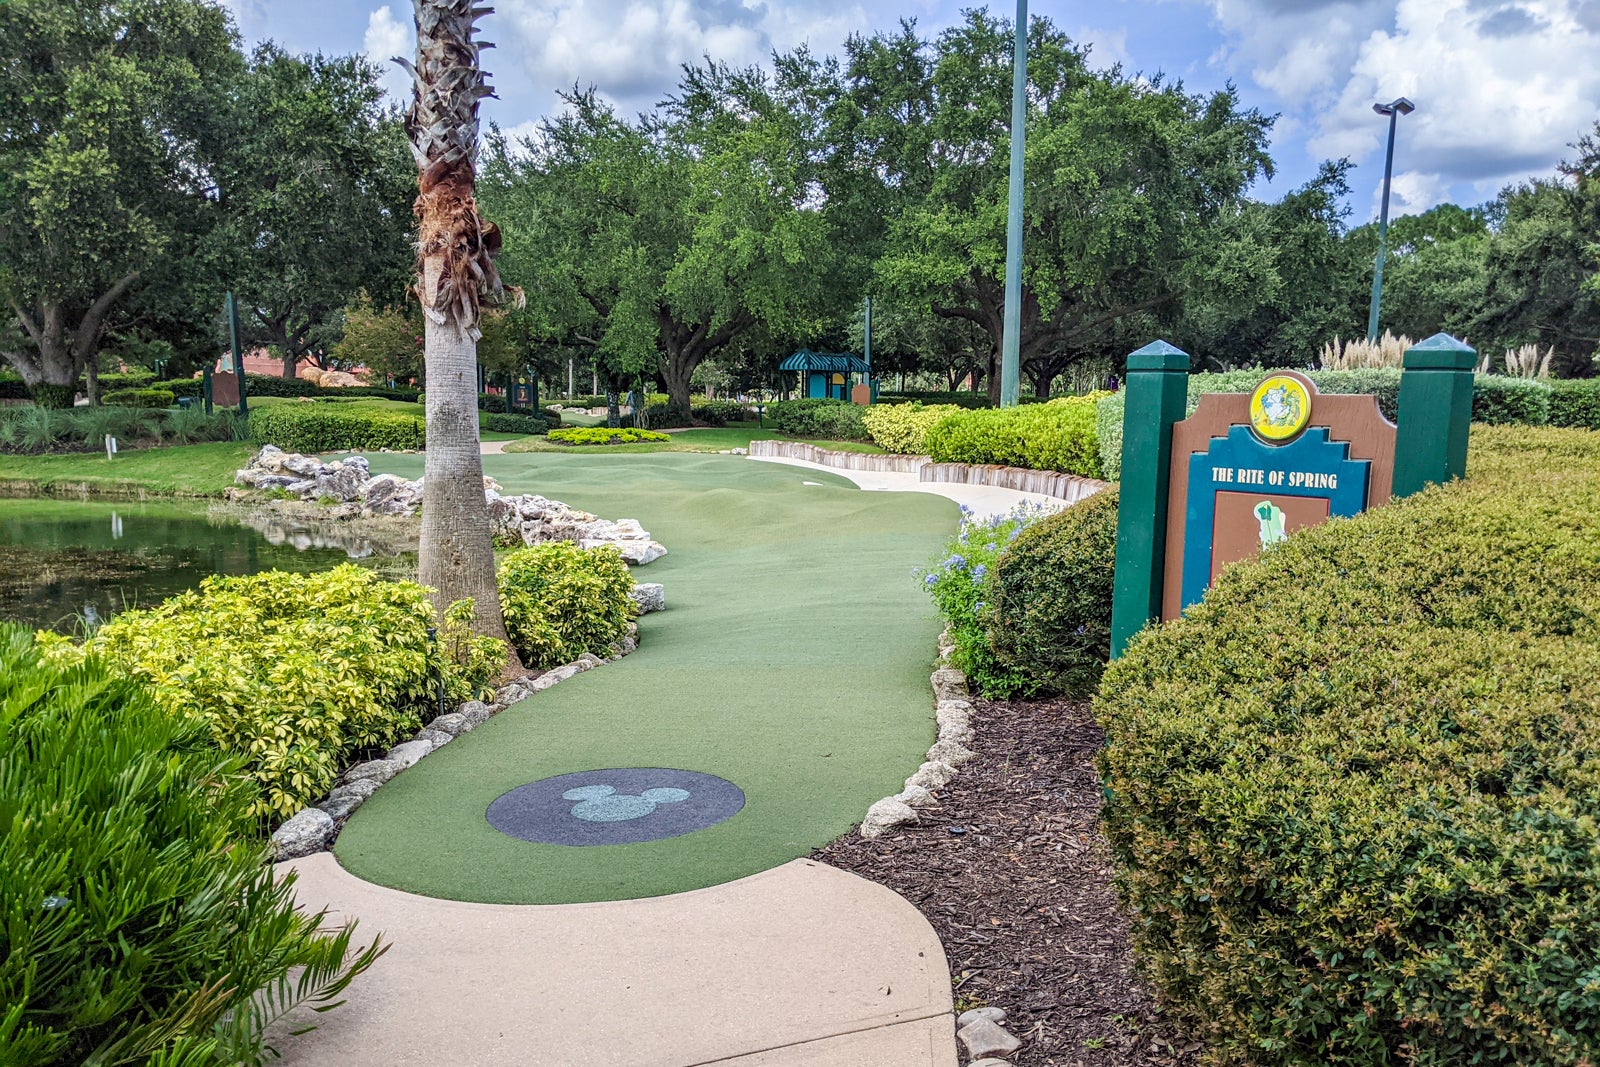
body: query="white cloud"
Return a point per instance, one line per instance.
(1501, 86)
(1107, 48)
(249, 15)
(631, 50)
(387, 37)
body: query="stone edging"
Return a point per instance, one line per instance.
(312, 828)
(954, 712)
(1068, 487)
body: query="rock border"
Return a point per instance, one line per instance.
(1070, 488)
(313, 828)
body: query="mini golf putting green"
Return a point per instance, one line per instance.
(792, 663)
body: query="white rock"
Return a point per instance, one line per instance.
(305, 833)
(341, 807)
(409, 753)
(649, 596)
(588, 661)
(885, 814)
(361, 787)
(475, 712)
(379, 770)
(955, 721)
(994, 1015)
(915, 796)
(949, 684)
(932, 775)
(984, 1037)
(437, 738)
(950, 752)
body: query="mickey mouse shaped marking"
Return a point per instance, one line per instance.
(602, 803)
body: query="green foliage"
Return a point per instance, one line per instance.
(960, 582)
(1058, 436)
(526, 424)
(602, 435)
(719, 412)
(138, 918)
(904, 428)
(831, 420)
(1108, 412)
(385, 340)
(318, 427)
(1049, 619)
(140, 398)
(1498, 399)
(960, 400)
(561, 601)
(1575, 403)
(1352, 791)
(666, 416)
(297, 674)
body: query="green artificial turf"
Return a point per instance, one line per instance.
(793, 661)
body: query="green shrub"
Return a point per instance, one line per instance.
(561, 601)
(1108, 435)
(140, 398)
(830, 420)
(1049, 617)
(666, 417)
(719, 412)
(298, 674)
(528, 424)
(1497, 399)
(272, 385)
(960, 400)
(960, 582)
(904, 428)
(326, 428)
(1575, 404)
(133, 378)
(1058, 436)
(137, 917)
(1353, 791)
(602, 435)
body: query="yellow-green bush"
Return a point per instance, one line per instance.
(297, 674)
(601, 435)
(904, 428)
(1353, 793)
(1058, 436)
(561, 601)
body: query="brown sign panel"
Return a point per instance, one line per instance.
(225, 389)
(1246, 521)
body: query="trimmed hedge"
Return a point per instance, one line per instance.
(1352, 793)
(140, 918)
(1575, 404)
(1058, 436)
(140, 398)
(1049, 618)
(561, 601)
(666, 416)
(903, 428)
(328, 428)
(719, 412)
(832, 420)
(528, 424)
(271, 385)
(603, 435)
(960, 400)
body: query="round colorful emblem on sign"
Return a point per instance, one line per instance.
(1279, 408)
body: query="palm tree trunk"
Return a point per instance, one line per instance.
(456, 249)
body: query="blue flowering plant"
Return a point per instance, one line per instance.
(959, 582)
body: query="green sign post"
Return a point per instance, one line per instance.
(1200, 492)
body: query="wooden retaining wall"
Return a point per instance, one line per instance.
(1069, 487)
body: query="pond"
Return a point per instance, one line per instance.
(63, 560)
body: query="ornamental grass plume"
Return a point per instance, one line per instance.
(1387, 351)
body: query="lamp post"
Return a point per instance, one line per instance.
(1011, 335)
(1394, 110)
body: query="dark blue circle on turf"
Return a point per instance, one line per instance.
(621, 806)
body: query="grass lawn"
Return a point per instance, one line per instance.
(708, 440)
(179, 470)
(792, 660)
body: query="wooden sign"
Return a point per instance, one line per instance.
(1247, 470)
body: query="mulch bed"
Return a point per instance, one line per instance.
(1013, 873)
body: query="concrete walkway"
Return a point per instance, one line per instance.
(984, 500)
(800, 966)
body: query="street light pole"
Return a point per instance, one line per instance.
(1394, 110)
(1011, 336)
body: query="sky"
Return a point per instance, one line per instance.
(1501, 87)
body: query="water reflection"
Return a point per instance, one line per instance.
(64, 562)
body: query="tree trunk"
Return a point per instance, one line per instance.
(63, 352)
(456, 553)
(456, 249)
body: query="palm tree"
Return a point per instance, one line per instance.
(455, 275)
